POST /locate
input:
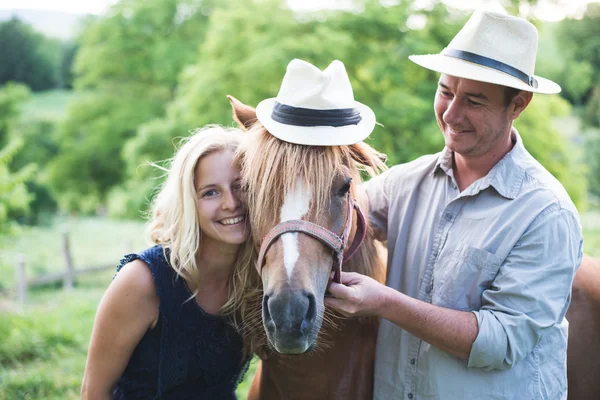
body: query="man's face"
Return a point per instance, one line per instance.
(472, 116)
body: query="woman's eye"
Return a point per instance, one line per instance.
(473, 103)
(209, 193)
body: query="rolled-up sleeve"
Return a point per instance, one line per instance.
(531, 292)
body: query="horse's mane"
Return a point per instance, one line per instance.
(272, 167)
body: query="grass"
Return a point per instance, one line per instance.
(51, 104)
(43, 348)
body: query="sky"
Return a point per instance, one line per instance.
(548, 12)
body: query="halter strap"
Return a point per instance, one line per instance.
(335, 242)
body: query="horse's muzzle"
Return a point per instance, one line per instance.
(289, 318)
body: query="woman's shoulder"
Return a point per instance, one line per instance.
(138, 277)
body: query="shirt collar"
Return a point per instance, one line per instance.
(505, 177)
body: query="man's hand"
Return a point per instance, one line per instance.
(450, 330)
(357, 295)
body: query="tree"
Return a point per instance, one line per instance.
(27, 56)
(13, 192)
(126, 71)
(68, 53)
(583, 60)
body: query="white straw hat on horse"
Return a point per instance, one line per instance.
(316, 107)
(494, 48)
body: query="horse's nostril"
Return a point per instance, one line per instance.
(265, 308)
(311, 314)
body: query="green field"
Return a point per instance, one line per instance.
(51, 104)
(43, 347)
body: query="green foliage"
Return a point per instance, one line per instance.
(68, 52)
(41, 148)
(14, 196)
(22, 343)
(550, 147)
(581, 62)
(27, 56)
(592, 157)
(127, 66)
(13, 191)
(585, 32)
(11, 97)
(42, 353)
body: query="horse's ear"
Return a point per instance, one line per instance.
(365, 155)
(244, 115)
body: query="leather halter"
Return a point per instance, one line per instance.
(337, 243)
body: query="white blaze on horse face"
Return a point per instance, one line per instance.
(295, 206)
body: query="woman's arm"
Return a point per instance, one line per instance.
(128, 309)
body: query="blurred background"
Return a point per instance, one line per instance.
(91, 91)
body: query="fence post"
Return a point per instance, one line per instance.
(70, 271)
(21, 280)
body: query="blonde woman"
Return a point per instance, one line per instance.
(164, 328)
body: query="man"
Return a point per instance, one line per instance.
(483, 241)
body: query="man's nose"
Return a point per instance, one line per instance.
(454, 114)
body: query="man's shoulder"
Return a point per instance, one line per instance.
(403, 177)
(419, 167)
(538, 182)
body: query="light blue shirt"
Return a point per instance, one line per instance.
(506, 249)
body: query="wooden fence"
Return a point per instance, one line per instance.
(66, 276)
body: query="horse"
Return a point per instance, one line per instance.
(310, 195)
(583, 314)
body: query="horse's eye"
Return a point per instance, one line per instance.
(344, 190)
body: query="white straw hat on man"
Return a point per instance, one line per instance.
(316, 107)
(494, 48)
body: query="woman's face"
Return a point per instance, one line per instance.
(222, 213)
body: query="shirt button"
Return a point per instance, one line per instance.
(448, 217)
(410, 396)
(412, 361)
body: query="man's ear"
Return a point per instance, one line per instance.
(520, 101)
(244, 115)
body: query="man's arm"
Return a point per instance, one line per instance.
(450, 330)
(529, 295)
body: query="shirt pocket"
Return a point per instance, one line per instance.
(466, 274)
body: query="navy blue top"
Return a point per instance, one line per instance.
(189, 354)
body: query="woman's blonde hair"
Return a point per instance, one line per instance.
(174, 221)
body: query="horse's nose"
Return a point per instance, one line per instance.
(289, 313)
